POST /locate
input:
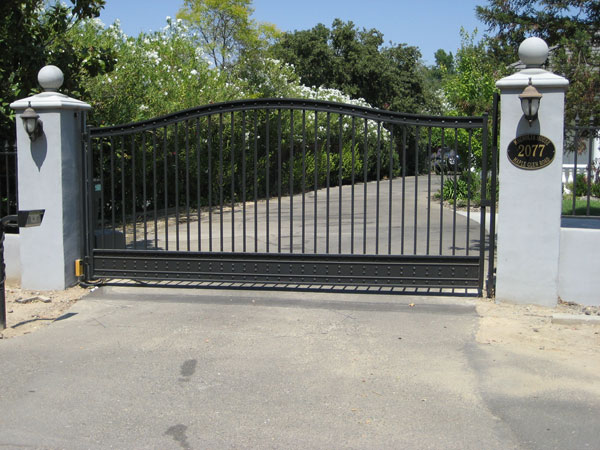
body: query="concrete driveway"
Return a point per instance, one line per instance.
(193, 369)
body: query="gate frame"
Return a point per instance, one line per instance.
(414, 263)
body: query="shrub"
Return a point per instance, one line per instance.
(466, 189)
(580, 189)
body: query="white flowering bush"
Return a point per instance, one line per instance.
(154, 74)
(164, 72)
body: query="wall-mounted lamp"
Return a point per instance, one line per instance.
(32, 123)
(530, 102)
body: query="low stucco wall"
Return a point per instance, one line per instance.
(579, 271)
(12, 259)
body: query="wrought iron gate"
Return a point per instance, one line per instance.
(288, 192)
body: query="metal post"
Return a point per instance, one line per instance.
(2, 279)
(3, 221)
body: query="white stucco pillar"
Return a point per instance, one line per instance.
(50, 178)
(529, 207)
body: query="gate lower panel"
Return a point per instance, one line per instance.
(338, 270)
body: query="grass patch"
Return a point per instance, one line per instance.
(580, 206)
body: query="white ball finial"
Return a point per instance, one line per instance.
(50, 78)
(533, 52)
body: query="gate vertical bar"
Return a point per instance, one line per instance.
(442, 190)
(279, 181)
(491, 284)
(455, 198)
(123, 212)
(590, 146)
(88, 168)
(328, 181)
(429, 164)
(365, 180)
(198, 181)
(340, 175)
(469, 190)
(232, 160)
(187, 184)
(244, 180)
(267, 170)
(221, 181)
(484, 201)
(133, 193)
(575, 153)
(352, 183)
(390, 181)
(144, 193)
(255, 160)
(291, 180)
(316, 175)
(403, 220)
(378, 178)
(417, 138)
(176, 155)
(112, 191)
(155, 188)
(101, 179)
(166, 187)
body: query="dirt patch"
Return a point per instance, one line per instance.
(528, 330)
(27, 310)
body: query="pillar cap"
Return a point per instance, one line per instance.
(50, 78)
(533, 52)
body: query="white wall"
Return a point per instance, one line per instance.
(12, 259)
(579, 273)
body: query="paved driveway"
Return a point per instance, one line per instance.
(328, 221)
(163, 368)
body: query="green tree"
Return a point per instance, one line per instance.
(358, 63)
(470, 88)
(572, 25)
(33, 34)
(225, 30)
(444, 64)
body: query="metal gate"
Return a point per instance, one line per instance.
(289, 192)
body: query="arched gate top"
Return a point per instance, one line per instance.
(294, 104)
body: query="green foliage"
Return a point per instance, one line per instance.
(572, 25)
(581, 184)
(466, 189)
(580, 188)
(357, 63)
(33, 34)
(444, 65)
(470, 88)
(165, 71)
(154, 74)
(596, 190)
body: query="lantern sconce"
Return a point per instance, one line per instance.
(530, 102)
(32, 123)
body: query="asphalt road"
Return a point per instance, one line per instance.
(171, 369)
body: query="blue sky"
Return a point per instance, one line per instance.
(427, 24)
